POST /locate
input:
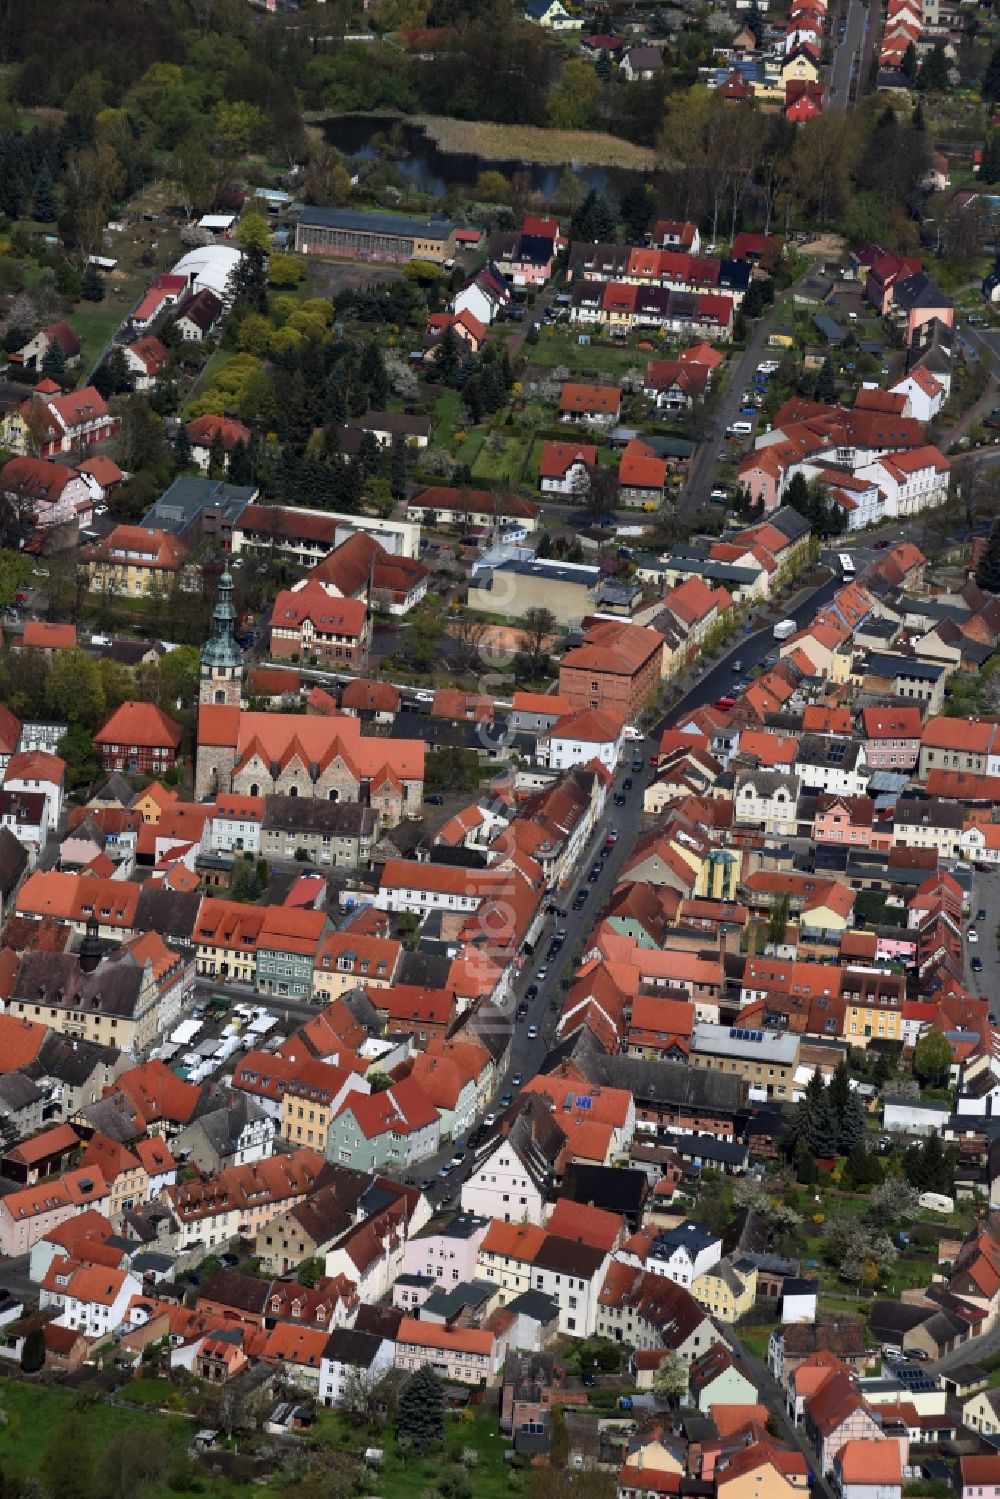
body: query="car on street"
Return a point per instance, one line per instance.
(972, 934)
(434, 800)
(489, 1119)
(977, 965)
(530, 993)
(627, 784)
(594, 875)
(458, 1158)
(424, 696)
(737, 665)
(981, 914)
(506, 1100)
(446, 1171)
(620, 800)
(427, 1183)
(542, 971)
(532, 1032)
(561, 933)
(516, 1080)
(522, 1011)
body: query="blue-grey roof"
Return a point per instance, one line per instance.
(687, 1235)
(379, 223)
(830, 330)
(180, 505)
(880, 665)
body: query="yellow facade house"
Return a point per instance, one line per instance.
(725, 1292)
(133, 562)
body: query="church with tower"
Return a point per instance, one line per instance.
(221, 675)
(288, 754)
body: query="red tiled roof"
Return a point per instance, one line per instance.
(143, 725)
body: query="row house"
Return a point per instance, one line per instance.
(959, 744)
(618, 306)
(467, 1355)
(892, 737)
(910, 481)
(241, 1200)
(670, 269)
(31, 1213)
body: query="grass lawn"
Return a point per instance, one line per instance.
(93, 323)
(36, 1413)
(446, 409)
(557, 346)
(506, 463)
(755, 1342)
(402, 1478)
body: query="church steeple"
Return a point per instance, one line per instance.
(90, 947)
(221, 679)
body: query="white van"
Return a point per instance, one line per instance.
(739, 429)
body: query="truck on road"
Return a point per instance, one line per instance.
(784, 628)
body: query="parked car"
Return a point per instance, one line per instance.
(972, 934)
(981, 914)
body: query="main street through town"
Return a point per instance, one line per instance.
(711, 682)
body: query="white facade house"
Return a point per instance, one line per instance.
(924, 392)
(905, 1118)
(503, 1186)
(580, 737)
(90, 1298)
(236, 828)
(572, 1274)
(40, 774)
(349, 1356)
(911, 481)
(427, 887)
(684, 1253)
(767, 800)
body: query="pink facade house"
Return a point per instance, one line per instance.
(892, 737)
(450, 1254)
(980, 1477)
(844, 819)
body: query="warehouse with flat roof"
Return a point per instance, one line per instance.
(348, 233)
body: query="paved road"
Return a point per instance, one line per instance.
(772, 1395)
(701, 475)
(986, 897)
(839, 94)
(968, 1353)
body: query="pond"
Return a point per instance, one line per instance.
(434, 171)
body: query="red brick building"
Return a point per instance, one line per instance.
(138, 736)
(618, 667)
